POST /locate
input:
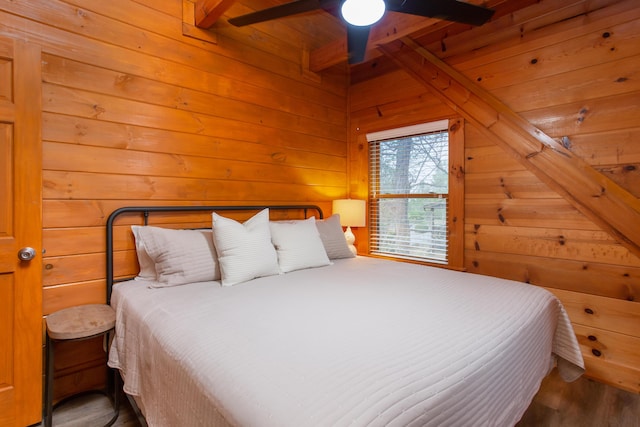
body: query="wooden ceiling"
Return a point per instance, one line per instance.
(325, 34)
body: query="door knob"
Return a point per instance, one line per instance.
(26, 254)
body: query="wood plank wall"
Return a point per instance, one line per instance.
(142, 108)
(571, 69)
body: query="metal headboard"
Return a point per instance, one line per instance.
(147, 210)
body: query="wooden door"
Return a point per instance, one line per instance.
(20, 227)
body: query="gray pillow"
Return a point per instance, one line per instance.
(333, 238)
(180, 256)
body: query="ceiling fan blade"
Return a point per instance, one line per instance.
(450, 10)
(280, 11)
(357, 38)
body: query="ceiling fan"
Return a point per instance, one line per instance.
(359, 15)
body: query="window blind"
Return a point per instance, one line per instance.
(408, 196)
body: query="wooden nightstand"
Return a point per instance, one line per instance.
(77, 323)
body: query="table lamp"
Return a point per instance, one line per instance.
(352, 214)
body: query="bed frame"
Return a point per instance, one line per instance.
(146, 211)
(567, 349)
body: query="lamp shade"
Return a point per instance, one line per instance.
(352, 212)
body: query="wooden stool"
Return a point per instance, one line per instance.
(74, 324)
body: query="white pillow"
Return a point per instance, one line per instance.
(147, 266)
(298, 245)
(333, 238)
(180, 256)
(244, 250)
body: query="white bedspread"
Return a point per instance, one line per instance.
(362, 342)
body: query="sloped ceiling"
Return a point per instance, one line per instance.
(325, 33)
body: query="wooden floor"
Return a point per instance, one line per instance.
(93, 410)
(583, 403)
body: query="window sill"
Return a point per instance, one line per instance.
(413, 261)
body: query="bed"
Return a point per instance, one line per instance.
(322, 338)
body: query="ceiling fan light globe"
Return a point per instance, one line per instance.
(362, 13)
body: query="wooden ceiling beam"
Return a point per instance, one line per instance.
(392, 27)
(607, 204)
(207, 12)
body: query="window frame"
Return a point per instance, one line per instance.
(455, 208)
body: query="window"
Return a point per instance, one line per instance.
(409, 194)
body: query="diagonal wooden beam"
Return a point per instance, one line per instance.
(207, 12)
(599, 198)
